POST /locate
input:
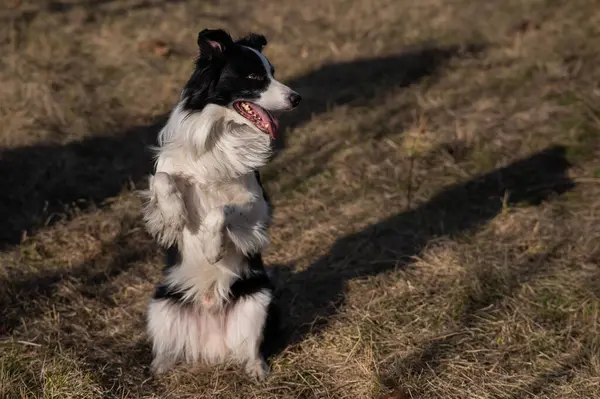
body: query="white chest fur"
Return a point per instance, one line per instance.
(205, 197)
(220, 224)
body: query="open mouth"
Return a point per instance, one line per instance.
(260, 117)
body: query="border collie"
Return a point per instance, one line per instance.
(206, 205)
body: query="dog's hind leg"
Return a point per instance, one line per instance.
(165, 214)
(244, 332)
(180, 332)
(166, 332)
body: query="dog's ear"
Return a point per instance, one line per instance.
(213, 43)
(257, 42)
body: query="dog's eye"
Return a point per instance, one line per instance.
(255, 76)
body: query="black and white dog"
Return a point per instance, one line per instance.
(206, 205)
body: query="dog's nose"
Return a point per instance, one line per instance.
(294, 99)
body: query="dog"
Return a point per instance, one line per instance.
(207, 206)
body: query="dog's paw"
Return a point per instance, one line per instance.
(173, 226)
(161, 365)
(257, 369)
(168, 200)
(163, 185)
(214, 249)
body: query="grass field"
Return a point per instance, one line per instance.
(437, 200)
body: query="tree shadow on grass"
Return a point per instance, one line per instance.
(39, 183)
(559, 375)
(310, 297)
(24, 299)
(363, 82)
(426, 359)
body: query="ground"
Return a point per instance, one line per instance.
(437, 198)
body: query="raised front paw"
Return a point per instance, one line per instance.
(214, 250)
(165, 214)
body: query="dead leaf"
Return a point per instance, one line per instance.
(157, 47)
(527, 25)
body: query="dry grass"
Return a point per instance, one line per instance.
(437, 215)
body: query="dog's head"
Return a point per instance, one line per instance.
(236, 75)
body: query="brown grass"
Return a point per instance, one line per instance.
(436, 204)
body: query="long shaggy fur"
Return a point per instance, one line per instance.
(206, 205)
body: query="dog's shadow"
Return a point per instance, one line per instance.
(309, 298)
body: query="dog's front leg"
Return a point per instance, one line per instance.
(247, 226)
(165, 214)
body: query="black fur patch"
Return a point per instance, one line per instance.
(227, 72)
(265, 195)
(257, 42)
(163, 291)
(172, 259)
(256, 281)
(272, 335)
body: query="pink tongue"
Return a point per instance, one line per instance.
(266, 118)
